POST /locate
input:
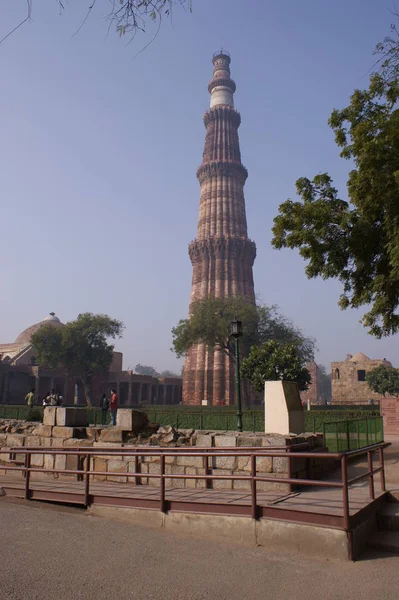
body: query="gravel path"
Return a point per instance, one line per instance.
(49, 552)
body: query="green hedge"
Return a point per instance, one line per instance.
(253, 419)
(21, 412)
(346, 407)
(197, 417)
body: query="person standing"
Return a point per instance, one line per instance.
(30, 398)
(53, 398)
(104, 409)
(113, 407)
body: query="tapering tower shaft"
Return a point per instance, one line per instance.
(222, 255)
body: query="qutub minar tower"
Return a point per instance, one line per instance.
(222, 255)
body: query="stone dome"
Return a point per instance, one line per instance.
(359, 357)
(25, 336)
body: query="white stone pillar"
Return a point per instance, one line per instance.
(283, 409)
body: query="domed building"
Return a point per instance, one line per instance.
(26, 335)
(20, 352)
(20, 372)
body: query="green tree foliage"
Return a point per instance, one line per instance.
(80, 347)
(384, 380)
(146, 370)
(272, 362)
(210, 320)
(356, 242)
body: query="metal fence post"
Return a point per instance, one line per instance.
(27, 474)
(253, 487)
(382, 472)
(371, 476)
(367, 431)
(162, 484)
(87, 479)
(348, 443)
(345, 493)
(208, 482)
(137, 479)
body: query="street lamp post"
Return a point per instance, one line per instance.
(236, 333)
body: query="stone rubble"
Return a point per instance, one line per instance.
(17, 433)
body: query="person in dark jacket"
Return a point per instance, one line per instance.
(104, 409)
(113, 407)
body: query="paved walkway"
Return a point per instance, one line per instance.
(63, 554)
(323, 501)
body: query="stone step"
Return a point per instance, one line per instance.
(388, 517)
(385, 541)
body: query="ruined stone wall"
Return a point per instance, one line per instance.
(18, 436)
(313, 392)
(346, 387)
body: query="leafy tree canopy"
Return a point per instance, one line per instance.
(146, 370)
(210, 321)
(356, 242)
(80, 347)
(272, 362)
(384, 380)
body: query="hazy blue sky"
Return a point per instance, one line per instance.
(98, 154)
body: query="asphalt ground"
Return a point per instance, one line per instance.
(51, 552)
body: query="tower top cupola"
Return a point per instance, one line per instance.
(221, 87)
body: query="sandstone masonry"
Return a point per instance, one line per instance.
(348, 379)
(111, 467)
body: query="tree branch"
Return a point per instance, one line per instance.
(129, 16)
(27, 18)
(85, 19)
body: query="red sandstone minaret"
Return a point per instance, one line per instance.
(222, 255)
